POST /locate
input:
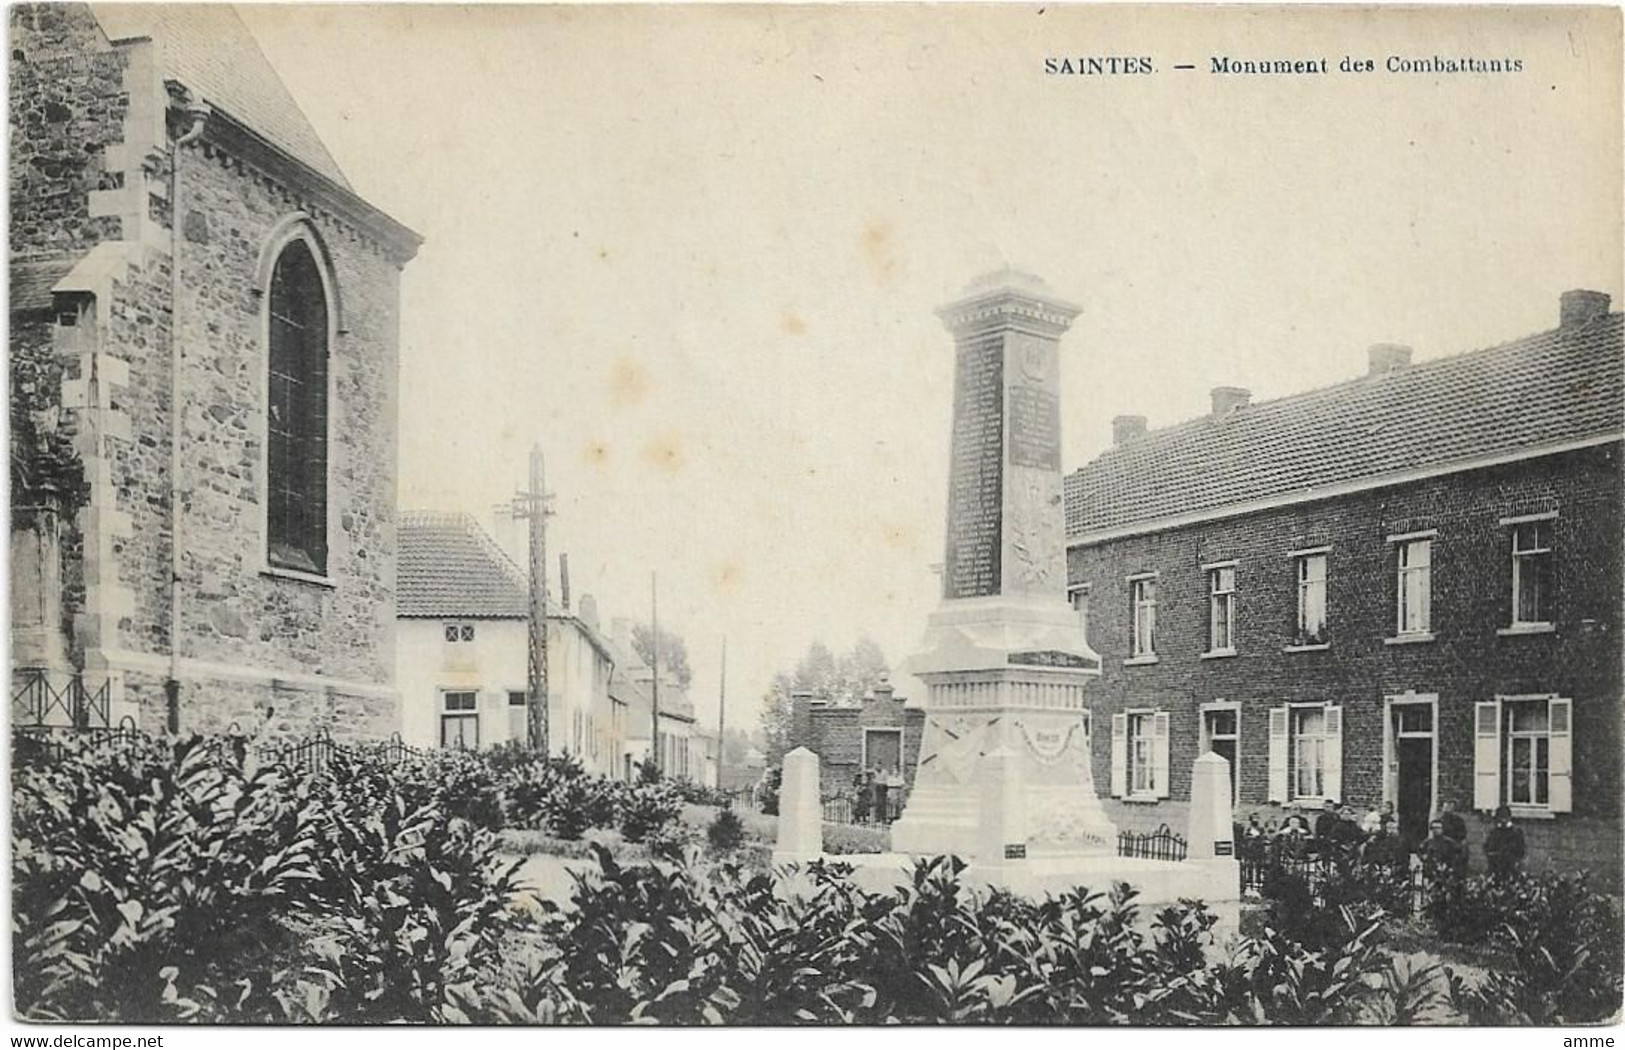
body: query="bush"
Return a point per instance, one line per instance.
(698, 794)
(726, 832)
(847, 839)
(649, 810)
(557, 796)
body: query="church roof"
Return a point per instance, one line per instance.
(448, 567)
(208, 48)
(1544, 390)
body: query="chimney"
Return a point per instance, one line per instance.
(564, 582)
(1127, 428)
(1580, 307)
(1383, 358)
(883, 689)
(1226, 399)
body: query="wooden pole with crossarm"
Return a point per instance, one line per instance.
(533, 506)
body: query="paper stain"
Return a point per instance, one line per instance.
(879, 251)
(628, 383)
(596, 454)
(665, 453)
(897, 537)
(728, 578)
(790, 323)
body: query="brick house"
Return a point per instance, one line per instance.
(180, 237)
(463, 658)
(1404, 587)
(876, 732)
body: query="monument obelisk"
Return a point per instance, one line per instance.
(1004, 659)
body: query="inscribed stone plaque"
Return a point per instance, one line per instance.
(1035, 427)
(976, 475)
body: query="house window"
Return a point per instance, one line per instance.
(1311, 600)
(459, 632)
(1143, 600)
(460, 720)
(1142, 767)
(1140, 755)
(1532, 573)
(1079, 597)
(1415, 586)
(1524, 753)
(1528, 753)
(1221, 604)
(1309, 752)
(296, 414)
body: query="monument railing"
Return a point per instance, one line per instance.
(843, 809)
(1161, 844)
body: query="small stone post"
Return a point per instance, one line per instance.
(1211, 832)
(801, 811)
(1001, 853)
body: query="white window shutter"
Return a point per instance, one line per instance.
(1278, 768)
(1487, 755)
(1560, 765)
(1390, 758)
(1119, 755)
(1159, 752)
(1334, 752)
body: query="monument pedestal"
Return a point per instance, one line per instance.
(1005, 676)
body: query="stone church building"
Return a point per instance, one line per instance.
(204, 329)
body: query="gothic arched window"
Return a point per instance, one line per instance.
(296, 438)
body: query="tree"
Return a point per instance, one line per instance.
(673, 652)
(845, 680)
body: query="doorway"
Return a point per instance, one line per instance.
(1221, 734)
(1412, 758)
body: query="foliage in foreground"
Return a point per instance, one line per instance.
(164, 883)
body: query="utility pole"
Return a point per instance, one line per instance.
(722, 714)
(533, 506)
(654, 644)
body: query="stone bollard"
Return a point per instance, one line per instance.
(1001, 842)
(801, 811)
(1211, 832)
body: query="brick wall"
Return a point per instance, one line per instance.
(835, 734)
(1467, 662)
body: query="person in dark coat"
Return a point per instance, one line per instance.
(860, 797)
(1326, 821)
(1454, 826)
(1504, 846)
(1443, 858)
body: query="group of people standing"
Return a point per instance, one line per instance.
(876, 795)
(1375, 840)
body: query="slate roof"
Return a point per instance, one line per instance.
(1557, 386)
(209, 49)
(448, 567)
(31, 282)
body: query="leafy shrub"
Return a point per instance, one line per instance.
(649, 809)
(726, 832)
(846, 839)
(148, 881)
(698, 794)
(558, 796)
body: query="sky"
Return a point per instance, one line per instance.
(696, 253)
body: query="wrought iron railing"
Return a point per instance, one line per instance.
(1161, 844)
(40, 697)
(317, 751)
(51, 743)
(845, 809)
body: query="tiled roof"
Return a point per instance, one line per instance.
(1564, 385)
(209, 49)
(31, 282)
(449, 567)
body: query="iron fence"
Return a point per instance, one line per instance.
(52, 743)
(38, 701)
(1161, 844)
(1400, 888)
(317, 751)
(846, 809)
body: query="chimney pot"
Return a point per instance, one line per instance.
(1226, 399)
(1388, 357)
(1580, 306)
(1127, 428)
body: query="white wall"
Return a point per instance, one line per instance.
(494, 664)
